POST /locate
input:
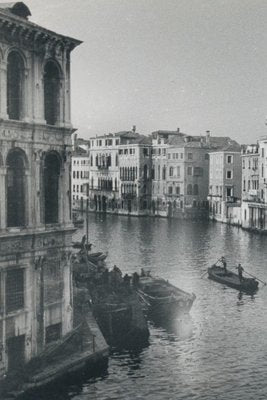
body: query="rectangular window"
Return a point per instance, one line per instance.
(189, 170)
(173, 155)
(81, 189)
(73, 189)
(190, 156)
(164, 152)
(15, 290)
(262, 152)
(178, 171)
(170, 189)
(229, 174)
(117, 142)
(243, 163)
(78, 174)
(229, 159)
(177, 189)
(159, 152)
(198, 171)
(229, 192)
(182, 156)
(169, 156)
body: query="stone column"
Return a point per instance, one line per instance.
(67, 310)
(3, 90)
(3, 205)
(28, 200)
(26, 96)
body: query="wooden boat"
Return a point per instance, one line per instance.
(79, 245)
(163, 300)
(231, 279)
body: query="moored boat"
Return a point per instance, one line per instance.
(229, 278)
(164, 300)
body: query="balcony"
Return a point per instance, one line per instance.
(128, 196)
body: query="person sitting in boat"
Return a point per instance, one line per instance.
(240, 270)
(224, 265)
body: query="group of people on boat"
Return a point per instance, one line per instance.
(240, 269)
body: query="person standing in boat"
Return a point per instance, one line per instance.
(240, 270)
(224, 264)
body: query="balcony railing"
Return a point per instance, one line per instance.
(128, 196)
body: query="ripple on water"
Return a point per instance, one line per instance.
(219, 351)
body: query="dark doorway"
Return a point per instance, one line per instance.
(16, 352)
(15, 189)
(104, 204)
(129, 206)
(51, 187)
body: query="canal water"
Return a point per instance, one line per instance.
(219, 352)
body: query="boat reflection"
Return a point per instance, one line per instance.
(180, 328)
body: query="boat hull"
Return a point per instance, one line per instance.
(247, 285)
(163, 300)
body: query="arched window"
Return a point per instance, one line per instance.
(51, 93)
(164, 173)
(15, 79)
(189, 189)
(195, 189)
(16, 188)
(51, 187)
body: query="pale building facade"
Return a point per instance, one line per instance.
(225, 175)
(80, 177)
(251, 208)
(35, 203)
(120, 173)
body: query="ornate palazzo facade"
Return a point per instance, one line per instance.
(35, 203)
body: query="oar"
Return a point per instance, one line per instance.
(255, 278)
(203, 274)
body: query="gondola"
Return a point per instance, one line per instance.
(247, 285)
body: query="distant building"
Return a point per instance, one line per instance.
(80, 173)
(120, 171)
(35, 164)
(160, 146)
(225, 183)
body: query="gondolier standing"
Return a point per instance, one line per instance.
(223, 260)
(240, 270)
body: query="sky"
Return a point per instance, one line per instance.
(162, 64)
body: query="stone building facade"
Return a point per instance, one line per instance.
(80, 177)
(225, 183)
(120, 173)
(35, 203)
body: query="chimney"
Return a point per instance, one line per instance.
(207, 137)
(134, 128)
(75, 141)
